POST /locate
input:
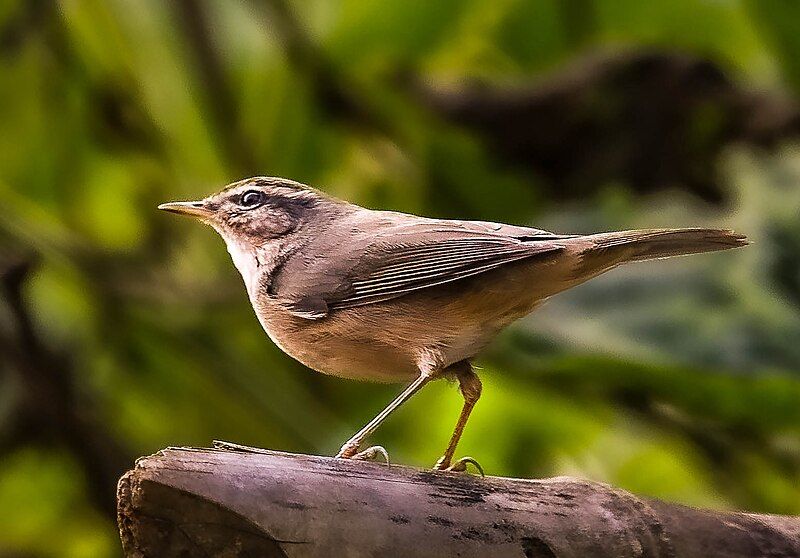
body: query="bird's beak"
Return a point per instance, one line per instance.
(192, 208)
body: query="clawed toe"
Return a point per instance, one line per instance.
(371, 453)
(366, 455)
(459, 466)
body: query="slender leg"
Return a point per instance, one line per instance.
(470, 387)
(350, 448)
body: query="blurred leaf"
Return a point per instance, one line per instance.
(779, 23)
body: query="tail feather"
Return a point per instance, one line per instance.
(648, 244)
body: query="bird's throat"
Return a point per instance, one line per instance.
(249, 261)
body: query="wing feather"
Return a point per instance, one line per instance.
(409, 268)
(389, 255)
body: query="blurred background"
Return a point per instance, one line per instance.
(124, 329)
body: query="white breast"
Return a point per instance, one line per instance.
(246, 261)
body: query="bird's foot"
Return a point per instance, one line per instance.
(459, 466)
(351, 452)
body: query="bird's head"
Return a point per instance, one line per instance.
(258, 215)
(255, 210)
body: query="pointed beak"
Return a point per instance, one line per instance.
(192, 208)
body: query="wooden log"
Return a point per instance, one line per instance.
(210, 502)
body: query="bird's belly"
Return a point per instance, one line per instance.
(392, 341)
(470, 342)
(333, 346)
(391, 348)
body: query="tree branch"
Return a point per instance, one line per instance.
(184, 501)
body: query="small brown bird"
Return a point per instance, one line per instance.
(391, 297)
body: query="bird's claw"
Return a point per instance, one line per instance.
(459, 466)
(371, 453)
(366, 455)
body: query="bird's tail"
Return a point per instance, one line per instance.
(631, 246)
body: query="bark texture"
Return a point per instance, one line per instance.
(209, 502)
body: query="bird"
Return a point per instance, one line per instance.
(392, 297)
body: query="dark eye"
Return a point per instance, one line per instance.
(252, 198)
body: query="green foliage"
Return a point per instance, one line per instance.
(677, 380)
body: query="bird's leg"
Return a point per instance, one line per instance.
(470, 386)
(350, 448)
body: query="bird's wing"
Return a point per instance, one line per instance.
(412, 256)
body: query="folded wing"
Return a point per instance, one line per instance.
(411, 268)
(409, 258)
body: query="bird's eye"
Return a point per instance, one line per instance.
(251, 199)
